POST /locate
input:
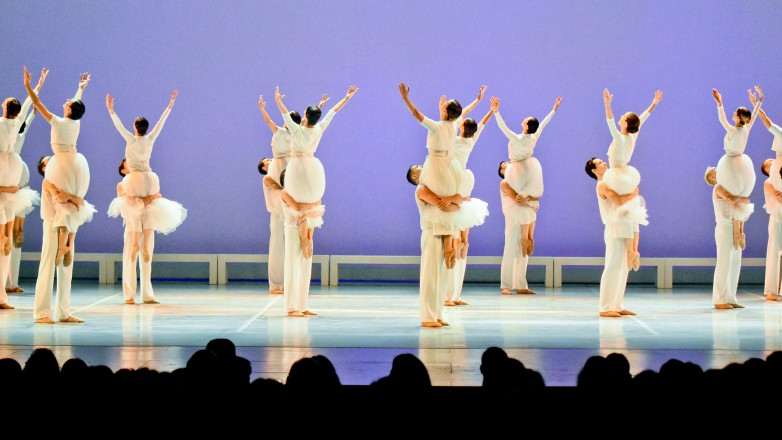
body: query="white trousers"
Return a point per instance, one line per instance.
(513, 272)
(44, 285)
(5, 265)
(129, 279)
(13, 270)
(433, 277)
(614, 280)
(276, 250)
(726, 273)
(773, 251)
(298, 272)
(455, 277)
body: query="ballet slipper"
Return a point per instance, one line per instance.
(524, 247)
(736, 239)
(630, 255)
(505, 291)
(67, 259)
(461, 302)
(610, 314)
(530, 247)
(743, 241)
(306, 249)
(449, 303)
(431, 324)
(627, 312)
(443, 323)
(59, 257)
(7, 247)
(636, 261)
(771, 297)
(736, 305)
(722, 306)
(449, 254)
(18, 240)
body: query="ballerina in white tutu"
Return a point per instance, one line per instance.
(442, 173)
(524, 173)
(67, 171)
(164, 215)
(305, 176)
(623, 178)
(735, 171)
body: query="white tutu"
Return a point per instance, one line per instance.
(312, 222)
(130, 209)
(305, 179)
(622, 180)
(772, 206)
(519, 215)
(736, 174)
(441, 174)
(163, 215)
(141, 183)
(276, 166)
(471, 213)
(71, 216)
(70, 173)
(525, 176)
(467, 184)
(740, 213)
(633, 211)
(31, 195)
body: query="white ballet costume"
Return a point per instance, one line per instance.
(305, 178)
(623, 178)
(24, 180)
(772, 206)
(735, 171)
(69, 171)
(162, 215)
(281, 155)
(11, 168)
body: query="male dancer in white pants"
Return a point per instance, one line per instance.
(129, 261)
(773, 169)
(774, 246)
(271, 194)
(726, 273)
(613, 282)
(513, 271)
(434, 275)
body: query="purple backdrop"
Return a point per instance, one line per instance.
(223, 55)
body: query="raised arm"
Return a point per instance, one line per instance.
(115, 119)
(658, 96)
(404, 90)
(159, 126)
(33, 94)
(84, 79)
(756, 101)
(607, 98)
(550, 115)
(351, 91)
(266, 117)
(471, 106)
(278, 99)
(721, 110)
(495, 103)
(764, 117)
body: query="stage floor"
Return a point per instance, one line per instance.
(361, 327)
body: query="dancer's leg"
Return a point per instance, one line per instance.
(18, 233)
(62, 244)
(147, 251)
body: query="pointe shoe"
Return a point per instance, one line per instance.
(59, 257)
(771, 297)
(431, 324)
(72, 319)
(636, 261)
(461, 302)
(44, 320)
(610, 314)
(450, 257)
(442, 323)
(295, 314)
(463, 251)
(67, 259)
(130, 302)
(449, 303)
(723, 306)
(524, 247)
(16, 289)
(743, 241)
(6, 306)
(524, 292)
(736, 240)
(309, 313)
(276, 291)
(18, 240)
(736, 306)
(530, 247)
(7, 247)
(306, 249)
(505, 291)
(627, 312)
(152, 301)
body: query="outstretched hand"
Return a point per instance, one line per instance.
(557, 102)
(323, 100)
(717, 97)
(173, 98)
(752, 97)
(277, 95)
(109, 103)
(84, 79)
(351, 91)
(495, 104)
(27, 76)
(404, 90)
(658, 96)
(44, 74)
(261, 103)
(607, 96)
(481, 91)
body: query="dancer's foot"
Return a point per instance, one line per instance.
(130, 302)
(636, 261)
(152, 301)
(443, 323)
(505, 291)
(6, 306)
(16, 289)
(67, 259)
(463, 251)
(72, 319)
(627, 312)
(610, 314)
(449, 303)
(276, 291)
(6, 245)
(736, 305)
(431, 324)
(530, 247)
(461, 302)
(295, 314)
(309, 313)
(18, 240)
(450, 256)
(525, 247)
(743, 241)
(306, 248)
(44, 320)
(723, 306)
(524, 292)
(458, 247)
(769, 297)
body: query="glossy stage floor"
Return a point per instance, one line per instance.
(361, 327)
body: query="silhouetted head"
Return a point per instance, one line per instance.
(330, 376)
(305, 374)
(312, 114)
(263, 165)
(225, 349)
(414, 173)
(142, 125)
(408, 371)
(492, 366)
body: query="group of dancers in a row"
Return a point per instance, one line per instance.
(62, 198)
